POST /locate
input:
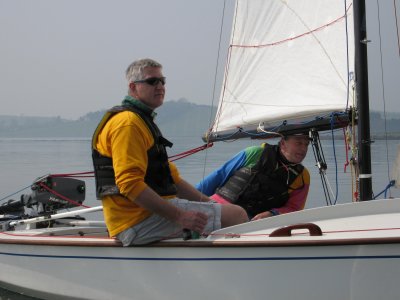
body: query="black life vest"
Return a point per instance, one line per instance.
(264, 186)
(158, 174)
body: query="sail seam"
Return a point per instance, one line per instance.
(295, 37)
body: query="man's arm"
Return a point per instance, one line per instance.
(216, 179)
(187, 191)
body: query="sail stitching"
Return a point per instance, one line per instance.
(295, 37)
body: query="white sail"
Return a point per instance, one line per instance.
(287, 60)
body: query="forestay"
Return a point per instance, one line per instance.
(288, 61)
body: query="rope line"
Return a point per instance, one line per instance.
(77, 175)
(190, 152)
(387, 188)
(90, 174)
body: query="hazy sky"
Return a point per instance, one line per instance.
(67, 57)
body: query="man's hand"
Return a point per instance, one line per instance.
(262, 215)
(192, 220)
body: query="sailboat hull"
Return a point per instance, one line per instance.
(346, 261)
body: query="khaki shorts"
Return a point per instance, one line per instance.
(156, 228)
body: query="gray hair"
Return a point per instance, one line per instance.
(135, 71)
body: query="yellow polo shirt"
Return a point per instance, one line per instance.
(126, 138)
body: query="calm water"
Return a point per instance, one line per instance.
(23, 160)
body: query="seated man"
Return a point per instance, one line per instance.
(265, 180)
(144, 198)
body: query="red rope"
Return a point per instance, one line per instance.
(91, 173)
(171, 158)
(190, 152)
(81, 174)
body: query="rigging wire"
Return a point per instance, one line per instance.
(214, 85)
(10, 195)
(383, 90)
(217, 63)
(226, 70)
(321, 164)
(336, 163)
(397, 26)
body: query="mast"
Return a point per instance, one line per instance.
(361, 70)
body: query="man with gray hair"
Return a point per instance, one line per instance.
(144, 198)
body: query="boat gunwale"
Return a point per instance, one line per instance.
(206, 243)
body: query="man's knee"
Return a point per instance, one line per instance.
(232, 215)
(242, 214)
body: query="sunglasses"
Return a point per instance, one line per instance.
(154, 81)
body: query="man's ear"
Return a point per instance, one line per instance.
(282, 144)
(132, 89)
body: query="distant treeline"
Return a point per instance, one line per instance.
(175, 118)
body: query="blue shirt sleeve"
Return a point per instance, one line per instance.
(216, 179)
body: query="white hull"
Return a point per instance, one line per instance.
(356, 257)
